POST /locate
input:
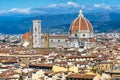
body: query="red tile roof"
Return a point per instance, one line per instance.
(41, 65)
(81, 76)
(26, 36)
(80, 24)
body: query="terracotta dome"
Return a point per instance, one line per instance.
(26, 36)
(81, 24)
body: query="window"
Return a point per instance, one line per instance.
(75, 35)
(65, 40)
(35, 29)
(83, 35)
(45, 38)
(51, 40)
(58, 40)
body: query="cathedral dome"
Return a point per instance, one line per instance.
(26, 36)
(81, 24)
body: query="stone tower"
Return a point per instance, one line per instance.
(46, 40)
(37, 34)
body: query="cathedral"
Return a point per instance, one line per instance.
(80, 35)
(81, 32)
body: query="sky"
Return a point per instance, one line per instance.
(25, 6)
(8, 4)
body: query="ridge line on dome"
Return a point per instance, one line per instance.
(79, 24)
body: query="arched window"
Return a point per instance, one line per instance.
(35, 29)
(51, 40)
(65, 40)
(75, 35)
(58, 40)
(83, 35)
(45, 38)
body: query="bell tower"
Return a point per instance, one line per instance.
(37, 34)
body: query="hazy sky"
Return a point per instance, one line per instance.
(9, 4)
(44, 6)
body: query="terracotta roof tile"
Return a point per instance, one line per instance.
(41, 65)
(81, 76)
(81, 23)
(26, 36)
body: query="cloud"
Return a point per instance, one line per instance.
(97, 5)
(52, 5)
(22, 11)
(104, 6)
(37, 10)
(68, 4)
(74, 4)
(26, 11)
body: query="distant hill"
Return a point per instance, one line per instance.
(102, 22)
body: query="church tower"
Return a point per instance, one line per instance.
(37, 34)
(46, 40)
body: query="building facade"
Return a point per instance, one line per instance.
(58, 40)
